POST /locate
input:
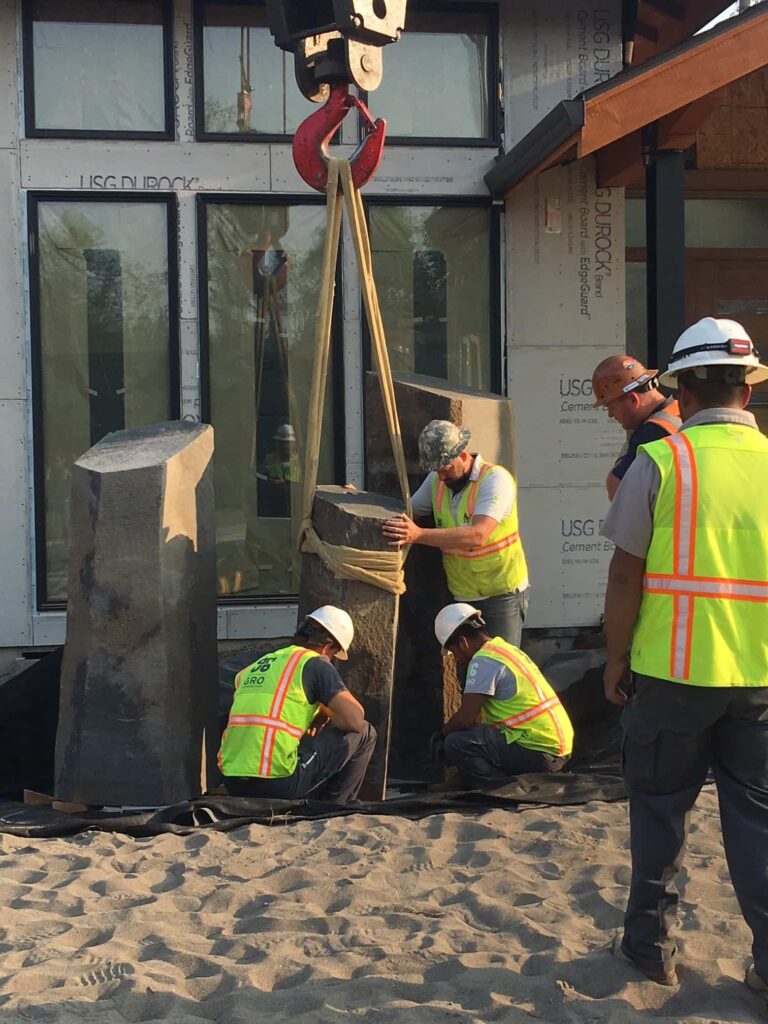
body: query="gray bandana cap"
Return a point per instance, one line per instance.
(440, 442)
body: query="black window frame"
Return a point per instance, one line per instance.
(204, 200)
(28, 76)
(34, 198)
(494, 78)
(201, 135)
(498, 356)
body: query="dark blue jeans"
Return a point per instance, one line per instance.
(673, 735)
(505, 614)
(484, 757)
(331, 767)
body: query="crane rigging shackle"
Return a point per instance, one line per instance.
(336, 40)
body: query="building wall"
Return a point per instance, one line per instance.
(734, 135)
(16, 609)
(185, 168)
(565, 312)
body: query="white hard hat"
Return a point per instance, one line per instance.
(284, 433)
(450, 618)
(713, 342)
(336, 622)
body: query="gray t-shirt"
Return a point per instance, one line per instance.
(495, 496)
(490, 678)
(629, 523)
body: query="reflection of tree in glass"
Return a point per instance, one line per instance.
(249, 249)
(73, 335)
(220, 118)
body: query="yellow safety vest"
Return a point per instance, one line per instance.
(704, 614)
(534, 717)
(667, 417)
(269, 715)
(498, 566)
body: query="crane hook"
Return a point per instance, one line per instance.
(313, 136)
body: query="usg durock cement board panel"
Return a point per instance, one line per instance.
(565, 311)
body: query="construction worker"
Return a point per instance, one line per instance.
(474, 508)
(273, 745)
(630, 395)
(510, 720)
(688, 588)
(282, 464)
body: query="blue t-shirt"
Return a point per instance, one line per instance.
(644, 434)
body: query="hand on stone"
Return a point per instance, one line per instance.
(401, 530)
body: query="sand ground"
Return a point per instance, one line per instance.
(493, 916)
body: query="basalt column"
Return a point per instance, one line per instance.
(426, 688)
(355, 520)
(137, 722)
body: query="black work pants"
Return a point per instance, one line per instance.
(673, 735)
(331, 767)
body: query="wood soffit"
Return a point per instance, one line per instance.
(676, 91)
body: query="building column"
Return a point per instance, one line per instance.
(665, 230)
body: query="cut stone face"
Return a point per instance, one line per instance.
(137, 721)
(355, 520)
(421, 399)
(427, 690)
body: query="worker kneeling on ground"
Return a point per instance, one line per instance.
(278, 742)
(630, 395)
(510, 720)
(474, 507)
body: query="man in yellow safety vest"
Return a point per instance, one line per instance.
(272, 746)
(510, 720)
(474, 507)
(688, 588)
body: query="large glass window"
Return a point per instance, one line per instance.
(433, 271)
(263, 267)
(726, 272)
(105, 344)
(248, 86)
(98, 67)
(439, 79)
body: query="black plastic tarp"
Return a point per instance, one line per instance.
(225, 813)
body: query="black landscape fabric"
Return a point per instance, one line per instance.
(28, 718)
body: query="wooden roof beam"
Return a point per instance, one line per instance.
(698, 69)
(671, 31)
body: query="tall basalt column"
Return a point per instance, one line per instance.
(355, 520)
(138, 721)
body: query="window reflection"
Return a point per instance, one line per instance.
(248, 83)
(104, 342)
(436, 79)
(98, 66)
(432, 267)
(263, 266)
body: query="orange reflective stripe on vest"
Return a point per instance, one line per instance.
(545, 705)
(486, 549)
(668, 418)
(682, 585)
(277, 706)
(273, 723)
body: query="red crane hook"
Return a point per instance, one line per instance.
(310, 143)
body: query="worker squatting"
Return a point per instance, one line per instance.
(686, 622)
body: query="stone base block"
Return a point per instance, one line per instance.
(355, 520)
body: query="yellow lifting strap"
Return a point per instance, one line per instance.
(383, 569)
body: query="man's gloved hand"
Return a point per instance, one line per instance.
(437, 747)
